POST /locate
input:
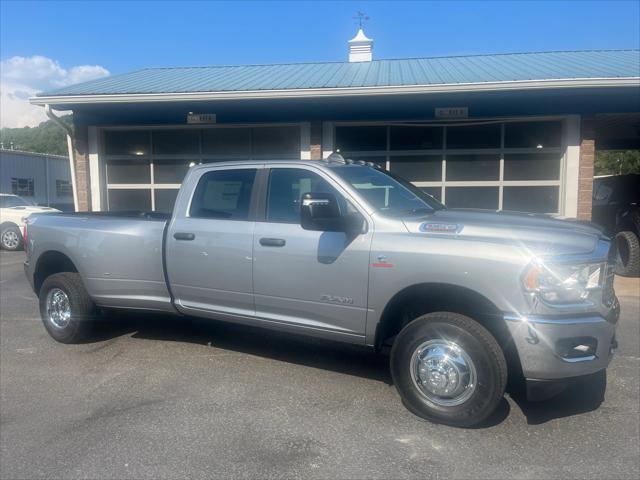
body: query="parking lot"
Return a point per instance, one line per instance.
(163, 397)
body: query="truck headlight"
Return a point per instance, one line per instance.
(559, 284)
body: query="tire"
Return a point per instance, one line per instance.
(11, 238)
(627, 254)
(475, 402)
(74, 327)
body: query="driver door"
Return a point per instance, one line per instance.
(312, 279)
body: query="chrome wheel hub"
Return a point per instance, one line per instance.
(58, 308)
(10, 239)
(443, 372)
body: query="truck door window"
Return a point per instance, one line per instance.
(223, 194)
(286, 188)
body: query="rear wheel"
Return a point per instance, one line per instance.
(65, 307)
(448, 369)
(627, 254)
(11, 238)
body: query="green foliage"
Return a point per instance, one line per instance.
(617, 162)
(45, 138)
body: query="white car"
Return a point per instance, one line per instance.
(13, 212)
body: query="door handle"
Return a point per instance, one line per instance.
(184, 236)
(272, 242)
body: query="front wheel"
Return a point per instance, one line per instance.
(448, 369)
(66, 309)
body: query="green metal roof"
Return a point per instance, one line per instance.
(474, 69)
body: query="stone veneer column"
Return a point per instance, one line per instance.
(587, 162)
(315, 149)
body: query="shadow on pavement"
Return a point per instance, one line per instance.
(339, 357)
(579, 397)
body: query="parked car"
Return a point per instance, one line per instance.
(616, 208)
(13, 211)
(346, 251)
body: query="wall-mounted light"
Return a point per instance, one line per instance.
(539, 145)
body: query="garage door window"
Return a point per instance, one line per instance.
(144, 168)
(494, 165)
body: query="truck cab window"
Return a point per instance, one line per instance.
(223, 194)
(286, 188)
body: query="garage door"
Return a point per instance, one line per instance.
(491, 165)
(144, 168)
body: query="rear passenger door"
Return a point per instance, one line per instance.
(312, 279)
(210, 243)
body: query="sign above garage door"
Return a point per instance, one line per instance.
(452, 112)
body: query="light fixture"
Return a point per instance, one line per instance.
(539, 145)
(138, 153)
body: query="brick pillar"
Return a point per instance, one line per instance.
(587, 161)
(81, 156)
(316, 141)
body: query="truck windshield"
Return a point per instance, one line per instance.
(8, 201)
(388, 193)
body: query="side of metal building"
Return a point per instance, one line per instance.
(40, 178)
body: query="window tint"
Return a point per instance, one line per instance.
(531, 199)
(358, 139)
(286, 188)
(223, 194)
(529, 166)
(130, 142)
(474, 136)
(176, 141)
(473, 167)
(128, 171)
(165, 200)
(276, 141)
(472, 197)
(170, 171)
(415, 137)
(532, 134)
(129, 199)
(417, 168)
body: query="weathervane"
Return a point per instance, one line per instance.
(361, 17)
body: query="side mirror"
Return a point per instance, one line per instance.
(321, 212)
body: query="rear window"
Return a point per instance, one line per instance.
(223, 194)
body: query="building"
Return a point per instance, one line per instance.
(40, 178)
(509, 131)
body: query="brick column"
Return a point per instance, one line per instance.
(587, 161)
(316, 141)
(81, 157)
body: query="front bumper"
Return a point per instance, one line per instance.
(557, 348)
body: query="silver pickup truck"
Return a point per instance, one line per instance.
(343, 250)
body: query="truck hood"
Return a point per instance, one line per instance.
(542, 235)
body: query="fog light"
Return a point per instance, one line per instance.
(577, 347)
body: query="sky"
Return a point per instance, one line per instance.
(48, 44)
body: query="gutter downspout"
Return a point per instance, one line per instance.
(72, 164)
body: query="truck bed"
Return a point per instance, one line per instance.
(118, 254)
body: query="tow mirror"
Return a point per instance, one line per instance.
(321, 212)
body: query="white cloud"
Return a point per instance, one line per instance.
(23, 77)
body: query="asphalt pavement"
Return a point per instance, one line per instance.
(162, 397)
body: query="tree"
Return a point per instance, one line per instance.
(45, 138)
(617, 162)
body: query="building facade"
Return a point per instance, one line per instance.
(500, 132)
(40, 178)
